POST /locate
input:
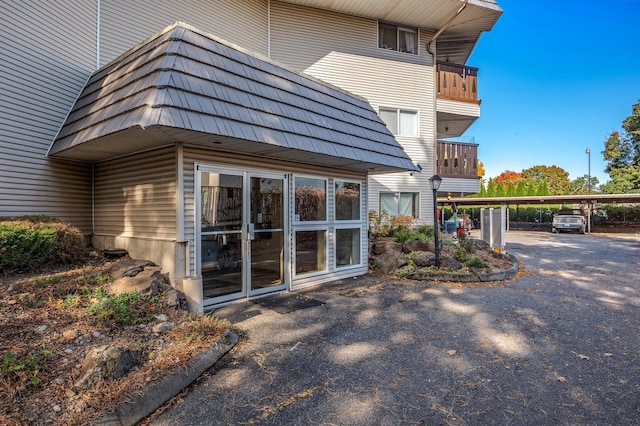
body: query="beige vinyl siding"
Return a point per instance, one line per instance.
(458, 108)
(48, 52)
(136, 196)
(342, 50)
(124, 24)
(464, 186)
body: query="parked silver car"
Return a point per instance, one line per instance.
(569, 220)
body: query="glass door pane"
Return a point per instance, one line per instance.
(221, 234)
(266, 233)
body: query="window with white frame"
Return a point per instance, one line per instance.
(347, 200)
(401, 122)
(400, 203)
(310, 251)
(348, 252)
(394, 37)
(311, 199)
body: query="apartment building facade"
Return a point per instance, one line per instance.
(106, 121)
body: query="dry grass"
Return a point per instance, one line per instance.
(39, 366)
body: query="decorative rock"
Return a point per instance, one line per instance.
(161, 317)
(96, 334)
(69, 393)
(418, 245)
(115, 253)
(57, 408)
(129, 267)
(390, 261)
(175, 299)
(482, 244)
(163, 327)
(105, 363)
(59, 381)
(41, 328)
(93, 254)
(68, 351)
(147, 281)
(381, 247)
(452, 263)
(424, 258)
(70, 334)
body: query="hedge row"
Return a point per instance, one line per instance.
(30, 243)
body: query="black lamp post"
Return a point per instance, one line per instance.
(435, 182)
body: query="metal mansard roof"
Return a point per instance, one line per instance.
(182, 85)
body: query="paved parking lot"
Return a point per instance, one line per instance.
(559, 345)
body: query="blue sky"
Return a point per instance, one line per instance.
(556, 77)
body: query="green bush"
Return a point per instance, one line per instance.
(468, 244)
(30, 243)
(476, 262)
(123, 309)
(460, 255)
(426, 230)
(403, 235)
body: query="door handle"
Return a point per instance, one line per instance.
(251, 230)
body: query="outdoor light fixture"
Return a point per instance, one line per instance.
(435, 182)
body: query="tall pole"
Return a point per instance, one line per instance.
(589, 191)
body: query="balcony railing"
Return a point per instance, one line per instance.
(457, 160)
(458, 83)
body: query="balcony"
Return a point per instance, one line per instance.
(457, 160)
(458, 83)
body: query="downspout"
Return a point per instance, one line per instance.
(269, 29)
(435, 86)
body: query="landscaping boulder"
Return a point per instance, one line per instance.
(129, 267)
(105, 363)
(389, 261)
(424, 258)
(381, 247)
(452, 263)
(418, 245)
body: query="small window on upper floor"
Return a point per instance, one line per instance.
(401, 122)
(401, 39)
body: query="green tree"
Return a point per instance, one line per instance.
(622, 155)
(521, 190)
(500, 192)
(543, 188)
(580, 185)
(511, 190)
(491, 188)
(483, 189)
(557, 178)
(532, 188)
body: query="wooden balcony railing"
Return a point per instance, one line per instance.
(457, 160)
(458, 83)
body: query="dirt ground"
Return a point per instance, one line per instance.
(47, 329)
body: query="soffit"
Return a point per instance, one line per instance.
(455, 44)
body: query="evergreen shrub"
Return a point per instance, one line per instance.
(30, 243)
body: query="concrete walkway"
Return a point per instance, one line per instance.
(559, 345)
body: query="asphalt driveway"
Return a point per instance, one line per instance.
(559, 345)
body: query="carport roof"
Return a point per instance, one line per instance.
(182, 85)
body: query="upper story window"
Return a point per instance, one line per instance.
(394, 37)
(401, 122)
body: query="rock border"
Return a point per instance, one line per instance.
(154, 395)
(493, 276)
